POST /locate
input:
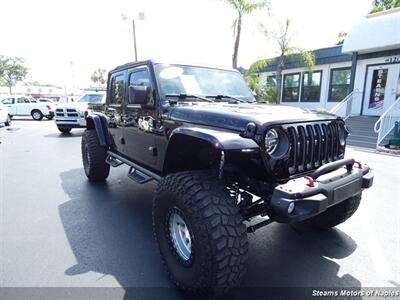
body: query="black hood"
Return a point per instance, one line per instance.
(237, 116)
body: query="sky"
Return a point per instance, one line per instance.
(64, 41)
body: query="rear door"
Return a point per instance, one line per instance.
(21, 106)
(114, 108)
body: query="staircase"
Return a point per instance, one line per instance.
(362, 132)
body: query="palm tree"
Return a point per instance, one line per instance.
(286, 51)
(242, 7)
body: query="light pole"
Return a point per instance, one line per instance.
(134, 38)
(125, 18)
(72, 77)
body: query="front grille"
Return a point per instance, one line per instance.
(60, 114)
(312, 145)
(59, 110)
(72, 114)
(71, 110)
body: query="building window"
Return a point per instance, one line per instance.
(291, 84)
(339, 86)
(311, 89)
(271, 81)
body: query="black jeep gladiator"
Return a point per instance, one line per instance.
(225, 165)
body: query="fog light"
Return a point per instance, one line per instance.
(290, 208)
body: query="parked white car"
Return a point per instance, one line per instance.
(73, 115)
(5, 117)
(29, 106)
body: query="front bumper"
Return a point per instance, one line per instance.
(79, 122)
(327, 186)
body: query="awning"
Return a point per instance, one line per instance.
(375, 32)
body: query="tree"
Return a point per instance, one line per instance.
(98, 76)
(381, 5)
(341, 36)
(287, 52)
(242, 7)
(12, 71)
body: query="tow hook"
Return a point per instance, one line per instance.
(311, 181)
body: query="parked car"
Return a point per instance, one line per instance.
(221, 161)
(29, 106)
(5, 117)
(73, 115)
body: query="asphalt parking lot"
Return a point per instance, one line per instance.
(58, 230)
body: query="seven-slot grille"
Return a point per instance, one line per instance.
(312, 145)
(66, 112)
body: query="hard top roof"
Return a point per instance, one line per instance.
(154, 61)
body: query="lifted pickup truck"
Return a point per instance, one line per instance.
(221, 159)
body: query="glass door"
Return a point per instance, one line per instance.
(381, 88)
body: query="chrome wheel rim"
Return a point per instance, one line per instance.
(180, 235)
(36, 115)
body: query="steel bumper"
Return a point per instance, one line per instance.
(302, 198)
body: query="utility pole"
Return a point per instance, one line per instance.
(134, 38)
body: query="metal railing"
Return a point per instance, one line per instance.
(344, 107)
(387, 120)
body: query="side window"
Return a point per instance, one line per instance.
(339, 86)
(8, 101)
(117, 89)
(26, 100)
(291, 85)
(20, 100)
(141, 77)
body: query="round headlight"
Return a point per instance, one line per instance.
(271, 141)
(276, 143)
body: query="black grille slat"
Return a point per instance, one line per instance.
(312, 145)
(293, 150)
(318, 131)
(302, 148)
(324, 144)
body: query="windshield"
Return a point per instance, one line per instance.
(175, 80)
(91, 98)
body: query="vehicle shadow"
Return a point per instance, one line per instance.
(14, 118)
(109, 229)
(72, 134)
(108, 226)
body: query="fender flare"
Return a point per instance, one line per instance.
(95, 122)
(222, 140)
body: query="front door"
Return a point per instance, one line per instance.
(381, 88)
(139, 122)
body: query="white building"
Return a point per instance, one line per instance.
(368, 63)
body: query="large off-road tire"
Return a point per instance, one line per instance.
(200, 234)
(94, 157)
(64, 129)
(36, 115)
(8, 122)
(333, 216)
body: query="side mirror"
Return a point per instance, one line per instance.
(139, 94)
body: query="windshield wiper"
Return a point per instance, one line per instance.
(219, 97)
(185, 96)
